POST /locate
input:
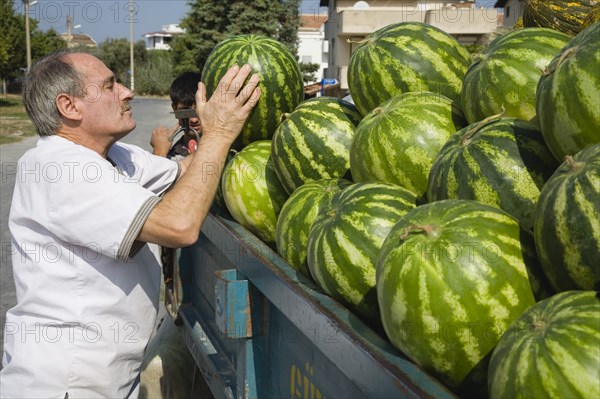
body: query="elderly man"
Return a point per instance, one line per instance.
(87, 285)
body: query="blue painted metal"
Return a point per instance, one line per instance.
(232, 304)
(327, 82)
(301, 343)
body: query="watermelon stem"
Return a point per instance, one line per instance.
(283, 116)
(566, 54)
(350, 41)
(573, 165)
(429, 230)
(474, 128)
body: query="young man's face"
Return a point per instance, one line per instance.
(106, 105)
(194, 123)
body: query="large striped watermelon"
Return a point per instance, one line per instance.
(403, 57)
(505, 76)
(567, 223)
(297, 216)
(281, 84)
(346, 237)
(313, 142)
(551, 351)
(398, 141)
(252, 191)
(568, 96)
(561, 15)
(451, 276)
(502, 162)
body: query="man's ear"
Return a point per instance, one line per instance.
(68, 107)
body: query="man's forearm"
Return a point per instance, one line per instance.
(177, 219)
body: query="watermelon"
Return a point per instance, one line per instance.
(504, 78)
(451, 276)
(345, 239)
(219, 200)
(281, 84)
(397, 142)
(252, 191)
(561, 15)
(551, 351)
(568, 96)
(297, 216)
(313, 142)
(404, 57)
(592, 17)
(502, 162)
(567, 223)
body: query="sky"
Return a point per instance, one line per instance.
(102, 19)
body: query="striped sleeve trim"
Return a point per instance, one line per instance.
(129, 246)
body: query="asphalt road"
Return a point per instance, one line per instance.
(148, 112)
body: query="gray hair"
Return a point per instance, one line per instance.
(51, 76)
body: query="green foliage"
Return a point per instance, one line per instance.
(154, 76)
(43, 43)
(13, 44)
(210, 21)
(309, 71)
(12, 41)
(185, 50)
(205, 25)
(115, 54)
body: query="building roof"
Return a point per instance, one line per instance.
(161, 33)
(312, 21)
(500, 3)
(78, 39)
(167, 31)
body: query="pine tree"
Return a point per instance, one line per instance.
(211, 21)
(205, 26)
(258, 17)
(289, 21)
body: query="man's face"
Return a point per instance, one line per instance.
(105, 107)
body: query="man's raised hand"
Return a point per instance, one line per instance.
(225, 113)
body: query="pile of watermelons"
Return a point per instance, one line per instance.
(456, 204)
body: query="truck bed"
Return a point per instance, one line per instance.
(257, 328)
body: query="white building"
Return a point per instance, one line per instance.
(350, 21)
(511, 9)
(312, 47)
(160, 40)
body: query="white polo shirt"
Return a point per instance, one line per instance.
(87, 291)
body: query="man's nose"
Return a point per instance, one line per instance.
(125, 93)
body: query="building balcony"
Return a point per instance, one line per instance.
(455, 21)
